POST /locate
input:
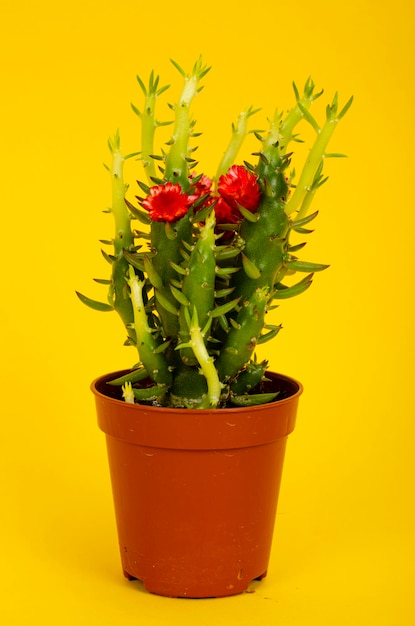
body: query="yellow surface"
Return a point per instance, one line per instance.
(344, 543)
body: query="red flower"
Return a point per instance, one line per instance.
(226, 213)
(240, 186)
(166, 203)
(201, 187)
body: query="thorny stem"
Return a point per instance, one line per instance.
(304, 185)
(154, 362)
(293, 118)
(239, 132)
(176, 160)
(123, 236)
(205, 361)
(148, 127)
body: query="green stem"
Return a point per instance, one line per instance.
(205, 361)
(123, 238)
(304, 185)
(148, 127)
(149, 123)
(273, 135)
(154, 362)
(281, 130)
(293, 118)
(239, 132)
(177, 166)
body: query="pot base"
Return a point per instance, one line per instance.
(195, 592)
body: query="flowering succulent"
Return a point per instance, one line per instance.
(194, 286)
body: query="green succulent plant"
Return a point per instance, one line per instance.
(197, 263)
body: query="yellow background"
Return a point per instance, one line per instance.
(344, 543)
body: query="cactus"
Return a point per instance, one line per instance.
(194, 300)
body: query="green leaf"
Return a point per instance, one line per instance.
(153, 276)
(108, 257)
(176, 283)
(305, 220)
(142, 85)
(134, 376)
(171, 233)
(248, 215)
(224, 308)
(336, 155)
(235, 324)
(296, 92)
(131, 155)
(136, 260)
(303, 231)
(223, 293)
(273, 332)
(318, 182)
(102, 281)
(297, 247)
(282, 292)
(250, 268)
(179, 269)
(94, 304)
(223, 323)
(222, 253)
(149, 393)
(143, 187)
(165, 303)
(143, 217)
(253, 399)
(226, 271)
(162, 347)
(178, 68)
(179, 296)
(203, 214)
(345, 108)
(135, 109)
(304, 266)
(307, 115)
(162, 90)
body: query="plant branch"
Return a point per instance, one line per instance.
(239, 133)
(205, 361)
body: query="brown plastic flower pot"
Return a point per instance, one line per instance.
(195, 491)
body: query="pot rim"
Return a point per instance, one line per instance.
(197, 429)
(118, 373)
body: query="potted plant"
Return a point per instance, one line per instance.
(196, 430)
